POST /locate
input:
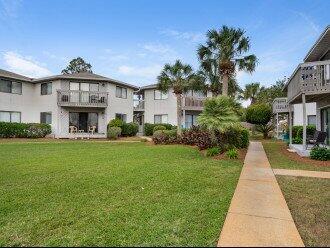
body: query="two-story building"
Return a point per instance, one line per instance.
(310, 82)
(74, 104)
(154, 106)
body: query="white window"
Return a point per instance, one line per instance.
(122, 117)
(311, 119)
(190, 120)
(6, 116)
(159, 95)
(121, 92)
(161, 119)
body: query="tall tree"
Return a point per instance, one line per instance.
(181, 78)
(267, 95)
(227, 47)
(251, 92)
(77, 65)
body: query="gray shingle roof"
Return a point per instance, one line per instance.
(76, 76)
(11, 75)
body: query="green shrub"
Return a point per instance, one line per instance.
(129, 129)
(213, 151)
(149, 128)
(233, 136)
(297, 133)
(24, 130)
(259, 114)
(165, 137)
(232, 153)
(158, 127)
(116, 123)
(320, 153)
(113, 132)
(190, 136)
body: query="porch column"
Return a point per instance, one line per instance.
(304, 120)
(277, 128)
(290, 124)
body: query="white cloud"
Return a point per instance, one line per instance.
(309, 21)
(54, 56)
(10, 8)
(157, 48)
(24, 65)
(150, 72)
(190, 36)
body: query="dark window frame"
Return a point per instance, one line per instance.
(11, 86)
(121, 92)
(46, 87)
(46, 113)
(120, 116)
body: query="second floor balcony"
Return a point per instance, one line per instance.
(77, 98)
(193, 103)
(138, 105)
(312, 79)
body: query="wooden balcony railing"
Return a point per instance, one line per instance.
(280, 105)
(138, 105)
(193, 103)
(77, 98)
(310, 78)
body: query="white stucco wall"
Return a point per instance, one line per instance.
(298, 112)
(159, 107)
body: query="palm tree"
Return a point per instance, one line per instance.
(251, 92)
(181, 78)
(227, 47)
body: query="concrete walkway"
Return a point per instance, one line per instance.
(258, 214)
(302, 173)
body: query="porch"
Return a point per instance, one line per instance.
(301, 151)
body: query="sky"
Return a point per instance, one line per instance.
(132, 40)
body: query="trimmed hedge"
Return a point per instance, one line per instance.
(320, 153)
(129, 129)
(24, 130)
(149, 128)
(113, 132)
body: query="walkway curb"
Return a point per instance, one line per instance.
(258, 213)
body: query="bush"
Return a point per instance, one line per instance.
(149, 128)
(116, 123)
(113, 132)
(158, 127)
(320, 153)
(129, 129)
(233, 136)
(24, 130)
(165, 137)
(232, 153)
(190, 136)
(297, 133)
(210, 152)
(259, 114)
(205, 140)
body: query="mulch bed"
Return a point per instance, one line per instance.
(295, 157)
(241, 155)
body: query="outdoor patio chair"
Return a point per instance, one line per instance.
(73, 129)
(91, 129)
(318, 139)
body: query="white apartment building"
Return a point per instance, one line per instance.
(82, 102)
(153, 106)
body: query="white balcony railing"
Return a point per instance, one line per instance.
(77, 98)
(138, 105)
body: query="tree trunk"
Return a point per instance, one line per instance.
(225, 81)
(179, 116)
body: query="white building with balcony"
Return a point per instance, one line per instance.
(74, 105)
(310, 82)
(153, 106)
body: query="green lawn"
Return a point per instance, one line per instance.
(97, 193)
(308, 200)
(280, 160)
